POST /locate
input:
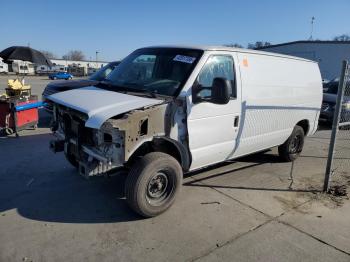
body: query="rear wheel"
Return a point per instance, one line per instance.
(153, 183)
(291, 149)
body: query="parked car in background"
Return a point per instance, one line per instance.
(61, 75)
(165, 111)
(330, 91)
(94, 79)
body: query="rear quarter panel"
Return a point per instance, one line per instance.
(277, 93)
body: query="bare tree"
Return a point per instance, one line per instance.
(48, 54)
(258, 44)
(343, 37)
(74, 55)
(234, 45)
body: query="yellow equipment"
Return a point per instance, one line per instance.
(17, 88)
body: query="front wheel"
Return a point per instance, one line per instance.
(153, 183)
(291, 149)
(72, 160)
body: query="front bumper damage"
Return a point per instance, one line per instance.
(91, 161)
(102, 154)
(117, 140)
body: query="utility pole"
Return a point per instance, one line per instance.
(312, 27)
(96, 58)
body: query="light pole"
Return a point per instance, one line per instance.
(312, 27)
(96, 59)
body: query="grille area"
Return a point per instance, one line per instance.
(74, 127)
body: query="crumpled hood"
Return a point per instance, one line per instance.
(100, 104)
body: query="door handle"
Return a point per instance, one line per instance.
(236, 121)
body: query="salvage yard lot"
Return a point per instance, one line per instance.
(37, 83)
(245, 210)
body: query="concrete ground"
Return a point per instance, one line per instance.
(255, 208)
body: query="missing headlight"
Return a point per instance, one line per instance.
(107, 138)
(143, 127)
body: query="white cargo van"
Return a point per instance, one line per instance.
(168, 110)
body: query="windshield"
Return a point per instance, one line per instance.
(160, 71)
(101, 74)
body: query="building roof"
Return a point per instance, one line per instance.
(305, 42)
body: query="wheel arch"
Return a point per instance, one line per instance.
(165, 145)
(305, 125)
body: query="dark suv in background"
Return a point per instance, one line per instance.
(94, 79)
(330, 91)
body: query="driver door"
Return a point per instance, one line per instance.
(213, 128)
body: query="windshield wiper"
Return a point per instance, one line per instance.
(128, 89)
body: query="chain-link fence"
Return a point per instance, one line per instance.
(338, 163)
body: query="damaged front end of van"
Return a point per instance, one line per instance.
(99, 140)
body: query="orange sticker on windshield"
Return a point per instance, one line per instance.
(245, 62)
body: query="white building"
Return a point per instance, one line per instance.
(328, 54)
(82, 63)
(75, 67)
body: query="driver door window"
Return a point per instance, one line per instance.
(216, 66)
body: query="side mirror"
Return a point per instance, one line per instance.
(220, 91)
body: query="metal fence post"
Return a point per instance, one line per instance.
(338, 107)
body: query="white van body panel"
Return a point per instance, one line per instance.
(277, 94)
(211, 126)
(274, 94)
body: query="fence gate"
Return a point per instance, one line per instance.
(338, 162)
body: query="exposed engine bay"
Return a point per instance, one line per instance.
(101, 151)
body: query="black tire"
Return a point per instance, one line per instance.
(153, 183)
(291, 149)
(72, 160)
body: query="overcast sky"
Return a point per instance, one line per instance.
(115, 28)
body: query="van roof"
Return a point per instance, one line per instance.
(232, 49)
